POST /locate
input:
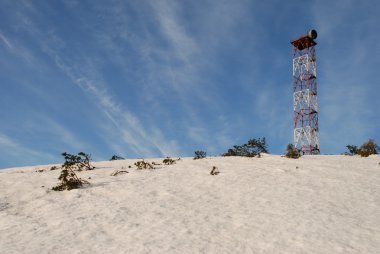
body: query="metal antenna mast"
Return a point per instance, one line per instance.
(305, 103)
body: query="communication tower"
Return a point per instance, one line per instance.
(305, 103)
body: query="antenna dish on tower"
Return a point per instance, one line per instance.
(312, 34)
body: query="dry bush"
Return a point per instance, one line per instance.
(292, 152)
(368, 148)
(144, 165)
(118, 172)
(168, 161)
(54, 168)
(214, 171)
(116, 157)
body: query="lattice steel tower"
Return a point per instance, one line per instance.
(305, 103)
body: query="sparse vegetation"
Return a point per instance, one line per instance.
(214, 171)
(69, 180)
(254, 147)
(118, 172)
(365, 150)
(143, 165)
(199, 155)
(77, 162)
(368, 148)
(292, 152)
(54, 168)
(116, 157)
(352, 150)
(168, 161)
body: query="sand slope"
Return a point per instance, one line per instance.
(316, 204)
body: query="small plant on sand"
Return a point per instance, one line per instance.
(168, 161)
(292, 152)
(143, 165)
(254, 147)
(118, 172)
(365, 150)
(115, 157)
(352, 150)
(368, 148)
(214, 171)
(78, 162)
(199, 155)
(54, 168)
(69, 180)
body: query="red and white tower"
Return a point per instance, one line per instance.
(305, 103)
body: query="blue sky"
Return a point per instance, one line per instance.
(165, 78)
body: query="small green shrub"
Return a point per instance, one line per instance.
(199, 155)
(69, 180)
(253, 148)
(352, 150)
(77, 162)
(115, 157)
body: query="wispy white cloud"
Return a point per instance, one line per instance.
(176, 70)
(160, 73)
(61, 134)
(16, 49)
(86, 74)
(6, 42)
(188, 60)
(183, 46)
(346, 78)
(10, 148)
(141, 140)
(127, 124)
(173, 63)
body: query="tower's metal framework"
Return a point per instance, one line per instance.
(305, 103)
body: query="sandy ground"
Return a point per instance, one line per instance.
(316, 204)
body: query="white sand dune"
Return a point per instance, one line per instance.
(316, 204)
